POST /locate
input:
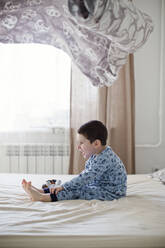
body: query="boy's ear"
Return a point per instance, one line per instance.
(97, 143)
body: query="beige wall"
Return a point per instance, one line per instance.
(150, 92)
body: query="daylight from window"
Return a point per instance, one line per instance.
(34, 87)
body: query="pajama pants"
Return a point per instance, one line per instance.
(85, 193)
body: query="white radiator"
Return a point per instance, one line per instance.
(34, 159)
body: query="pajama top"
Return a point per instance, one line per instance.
(104, 178)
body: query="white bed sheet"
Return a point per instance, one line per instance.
(135, 221)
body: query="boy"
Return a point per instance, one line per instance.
(104, 176)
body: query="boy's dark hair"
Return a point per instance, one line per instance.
(93, 130)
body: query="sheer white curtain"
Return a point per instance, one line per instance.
(35, 87)
(34, 101)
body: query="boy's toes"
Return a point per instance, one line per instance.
(29, 184)
(23, 181)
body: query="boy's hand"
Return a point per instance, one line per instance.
(56, 190)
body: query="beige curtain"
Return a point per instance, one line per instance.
(114, 106)
(83, 107)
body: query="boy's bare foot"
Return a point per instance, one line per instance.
(34, 194)
(24, 183)
(39, 190)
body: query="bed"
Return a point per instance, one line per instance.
(137, 220)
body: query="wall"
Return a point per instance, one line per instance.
(150, 92)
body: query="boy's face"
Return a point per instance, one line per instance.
(85, 147)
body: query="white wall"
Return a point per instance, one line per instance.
(150, 92)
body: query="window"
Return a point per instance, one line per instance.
(34, 88)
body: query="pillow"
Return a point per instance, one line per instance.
(160, 175)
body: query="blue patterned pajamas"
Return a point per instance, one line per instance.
(104, 178)
(86, 193)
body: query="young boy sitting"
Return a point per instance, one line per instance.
(104, 176)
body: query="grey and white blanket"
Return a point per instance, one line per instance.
(97, 34)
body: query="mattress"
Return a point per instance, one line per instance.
(135, 221)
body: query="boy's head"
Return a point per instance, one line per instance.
(92, 138)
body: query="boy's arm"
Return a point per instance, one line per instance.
(99, 166)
